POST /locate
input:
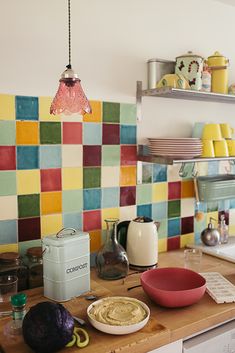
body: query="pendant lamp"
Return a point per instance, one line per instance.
(70, 97)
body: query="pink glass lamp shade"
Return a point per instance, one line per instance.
(70, 97)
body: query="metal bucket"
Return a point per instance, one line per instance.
(157, 68)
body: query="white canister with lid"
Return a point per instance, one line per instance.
(190, 66)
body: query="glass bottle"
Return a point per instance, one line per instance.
(111, 260)
(223, 230)
(18, 302)
(12, 264)
(35, 265)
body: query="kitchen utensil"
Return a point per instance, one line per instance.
(190, 66)
(219, 78)
(210, 236)
(66, 264)
(192, 259)
(221, 148)
(8, 287)
(140, 239)
(157, 68)
(211, 132)
(122, 311)
(173, 286)
(226, 130)
(173, 80)
(79, 320)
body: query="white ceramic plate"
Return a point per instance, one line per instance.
(118, 330)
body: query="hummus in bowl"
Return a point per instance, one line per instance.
(118, 315)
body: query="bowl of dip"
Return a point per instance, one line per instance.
(118, 315)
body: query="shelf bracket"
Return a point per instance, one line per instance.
(139, 101)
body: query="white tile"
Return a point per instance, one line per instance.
(202, 168)
(8, 207)
(187, 207)
(73, 117)
(72, 156)
(110, 176)
(173, 172)
(232, 217)
(224, 167)
(127, 213)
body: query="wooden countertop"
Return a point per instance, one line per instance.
(165, 325)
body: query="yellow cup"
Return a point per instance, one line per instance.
(231, 147)
(221, 148)
(211, 132)
(173, 80)
(208, 149)
(227, 131)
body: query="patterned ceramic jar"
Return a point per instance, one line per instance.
(190, 66)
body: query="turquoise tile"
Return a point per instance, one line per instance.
(8, 232)
(223, 205)
(27, 157)
(174, 227)
(73, 220)
(25, 245)
(213, 168)
(144, 194)
(7, 183)
(200, 225)
(128, 113)
(144, 210)
(111, 112)
(50, 157)
(159, 173)
(160, 210)
(110, 197)
(72, 201)
(128, 135)
(110, 155)
(162, 230)
(7, 133)
(92, 134)
(91, 199)
(26, 108)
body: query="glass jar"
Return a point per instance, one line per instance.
(35, 266)
(111, 260)
(12, 264)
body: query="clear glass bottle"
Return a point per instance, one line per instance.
(35, 266)
(111, 260)
(12, 264)
(223, 230)
(18, 302)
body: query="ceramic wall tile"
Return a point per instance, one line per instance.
(28, 182)
(173, 227)
(95, 240)
(7, 107)
(128, 176)
(44, 110)
(108, 213)
(7, 133)
(91, 177)
(25, 245)
(111, 155)
(26, 108)
(96, 115)
(27, 133)
(127, 195)
(51, 224)
(163, 228)
(50, 179)
(92, 220)
(72, 155)
(144, 210)
(187, 189)
(51, 202)
(128, 135)
(162, 245)
(143, 194)
(110, 134)
(128, 155)
(91, 199)
(174, 190)
(173, 173)
(127, 113)
(110, 177)
(27, 157)
(72, 178)
(50, 157)
(10, 247)
(72, 201)
(73, 219)
(187, 207)
(7, 158)
(159, 192)
(8, 232)
(186, 239)
(111, 112)
(147, 171)
(92, 133)
(91, 156)
(28, 205)
(8, 207)
(213, 168)
(7, 183)
(173, 243)
(174, 208)
(128, 212)
(50, 133)
(29, 228)
(160, 210)
(159, 173)
(110, 197)
(72, 133)
(187, 225)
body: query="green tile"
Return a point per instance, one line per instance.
(127, 113)
(7, 133)
(110, 155)
(111, 112)
(174, 209)
(91, 178)
(162, 230)
(7, 183)
(28, 205)
(25, 245)
(50, 133)
(72, 200)
(144, 194)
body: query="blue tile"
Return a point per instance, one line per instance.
(8, 232)
(91, 199)
(159, 210)
(27, 157)
(212, 206)
(197, 238)
(26, 108)
(223, 205)
(110, 197)
(144, 210)
(232, 203)
(73, 220)
(92, 134)
(173, 227)
(50, 157)
(199, 226)
(159, 173)
(128, 135)
(213, 168)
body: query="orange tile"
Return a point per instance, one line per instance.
(51, 202)
(128, 176)
(187, 189)
(95, 116)
(95, 237)
(27, 133)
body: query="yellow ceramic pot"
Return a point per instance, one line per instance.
(219, 78)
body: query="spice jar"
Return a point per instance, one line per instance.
(35, 266)
(12, 264)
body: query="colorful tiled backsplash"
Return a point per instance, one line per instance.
(60, 172)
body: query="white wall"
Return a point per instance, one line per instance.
(111, 42)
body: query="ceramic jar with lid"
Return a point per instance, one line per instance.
(12, 264)
(35, 266)
(219, 67)
(190, 66)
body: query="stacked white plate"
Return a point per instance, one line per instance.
(181, 147)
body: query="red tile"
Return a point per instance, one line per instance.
(50, 179)
(173, 243)
(111, 134)
(91, 156)
(187, 225)
(91, 220)
(127, 195)
(128, 155)
(174, 190)
(29, 229)
(72, 133)
(7, 158)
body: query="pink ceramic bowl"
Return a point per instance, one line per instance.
(173, 286)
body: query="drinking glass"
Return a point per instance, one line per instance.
(192, 259)
(8, 287)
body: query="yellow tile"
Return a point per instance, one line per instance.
(28, 182)
(9, 248)
(187, 188)
(96, 114)
(27, 133)
(44, 110)
(128, 176)
(231, 229)
(213, 215)
(51, 224)
(109, 213)
(7, 107)
(51, 202)
(72, 178)
(95, 240)
(159, 192)
(162, 245)
(186, 239)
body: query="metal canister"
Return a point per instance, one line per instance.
(157, 68)
(219, 78)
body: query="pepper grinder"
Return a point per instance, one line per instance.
(210, 236)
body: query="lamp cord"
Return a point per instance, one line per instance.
(69, 27)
